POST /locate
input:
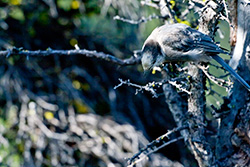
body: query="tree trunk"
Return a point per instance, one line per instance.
(233, 142)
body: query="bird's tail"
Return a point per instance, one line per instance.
(228, 68)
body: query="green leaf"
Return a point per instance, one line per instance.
(17, 13)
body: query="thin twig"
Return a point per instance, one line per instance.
(154, 150)
(179, 86)
(142, 20)
(226, 10)
(218, 81)
(198, 3)
(165, 8)
(153, 146)
(149, 87)
(150, 4)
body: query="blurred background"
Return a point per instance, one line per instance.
(64, 110)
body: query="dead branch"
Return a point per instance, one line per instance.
(155, 145)
(79, 52)
(142, 20)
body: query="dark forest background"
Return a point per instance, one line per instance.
(64, 110)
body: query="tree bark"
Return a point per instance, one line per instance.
(199, 143)
(232, 131)
(233, 142)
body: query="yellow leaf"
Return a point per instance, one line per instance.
(81, 107)
(17, 13)
(85, 86)
(76, 84)
(75, 4)
(73, 41)
(153, 71)
(172, 2)
(177, 19)
(48, 115)
(16, 2)
(185, 22)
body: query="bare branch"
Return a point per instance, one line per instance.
(226, 11)
(88, 53)
(179, 86)
(167, 11)
(150, 87)
(150, 4)
(155, 145)
(198, 3)
(142, 20)
(217, 81)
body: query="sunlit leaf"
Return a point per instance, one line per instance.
(64, 4)
(81, 107)
(172, 2)
(75, 4)
(186, 22)
(48, 115)
(73, 42)
(76, 84)
(153, 71)
(16, 2)
(17, 14)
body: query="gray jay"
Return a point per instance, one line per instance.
(180, 43)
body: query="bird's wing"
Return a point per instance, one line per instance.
(183, 38)
(203, 41)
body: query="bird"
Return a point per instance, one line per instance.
(181, 43)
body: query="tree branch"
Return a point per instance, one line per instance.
(83, 52)
(142, 20)
(155, 145)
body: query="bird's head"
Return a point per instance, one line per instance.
(151, 55)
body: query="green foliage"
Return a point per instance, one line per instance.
(9, 154)
(64, 4)
(17, 13)
(213, 98)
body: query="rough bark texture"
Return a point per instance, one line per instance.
(195, 117)
(231, 146)
(196, 111)
(177, 106)
(233, 135)
(200, 145)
